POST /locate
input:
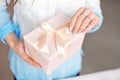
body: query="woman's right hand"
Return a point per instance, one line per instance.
(19, 47)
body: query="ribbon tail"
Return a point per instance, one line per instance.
(61, 42)
(51, 42)
(42, 45)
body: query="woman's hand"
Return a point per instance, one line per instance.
(83, 21)
(19, 48)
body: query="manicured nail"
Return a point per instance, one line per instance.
(71, 28)
(80, 31)
(84, 31)
(74, 32)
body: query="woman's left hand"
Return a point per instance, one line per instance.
(83, 21)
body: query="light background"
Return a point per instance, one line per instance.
(102, 48)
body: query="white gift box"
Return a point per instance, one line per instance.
(52, 43)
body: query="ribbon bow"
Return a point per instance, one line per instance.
(53, 40)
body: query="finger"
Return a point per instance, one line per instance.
(98, 21)
(30, 61)
(80, 19)
(92, 16)
(74, 18)
(91, 25)
(86, 12)
(27, 58)
(86, 22)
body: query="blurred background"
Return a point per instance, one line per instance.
(101, 49)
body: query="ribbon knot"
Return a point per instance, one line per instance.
(53, 40)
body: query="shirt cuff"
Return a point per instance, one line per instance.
(8, 28)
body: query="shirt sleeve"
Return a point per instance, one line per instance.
(94, 5)
(6, 25)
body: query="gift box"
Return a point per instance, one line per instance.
(52, 43)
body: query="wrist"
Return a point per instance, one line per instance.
(13, 45)
(12, 40)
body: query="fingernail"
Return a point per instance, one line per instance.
(71, 28)
(75, 31)
(84, 31)
(80, 31)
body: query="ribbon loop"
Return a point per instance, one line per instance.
(53, 40)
